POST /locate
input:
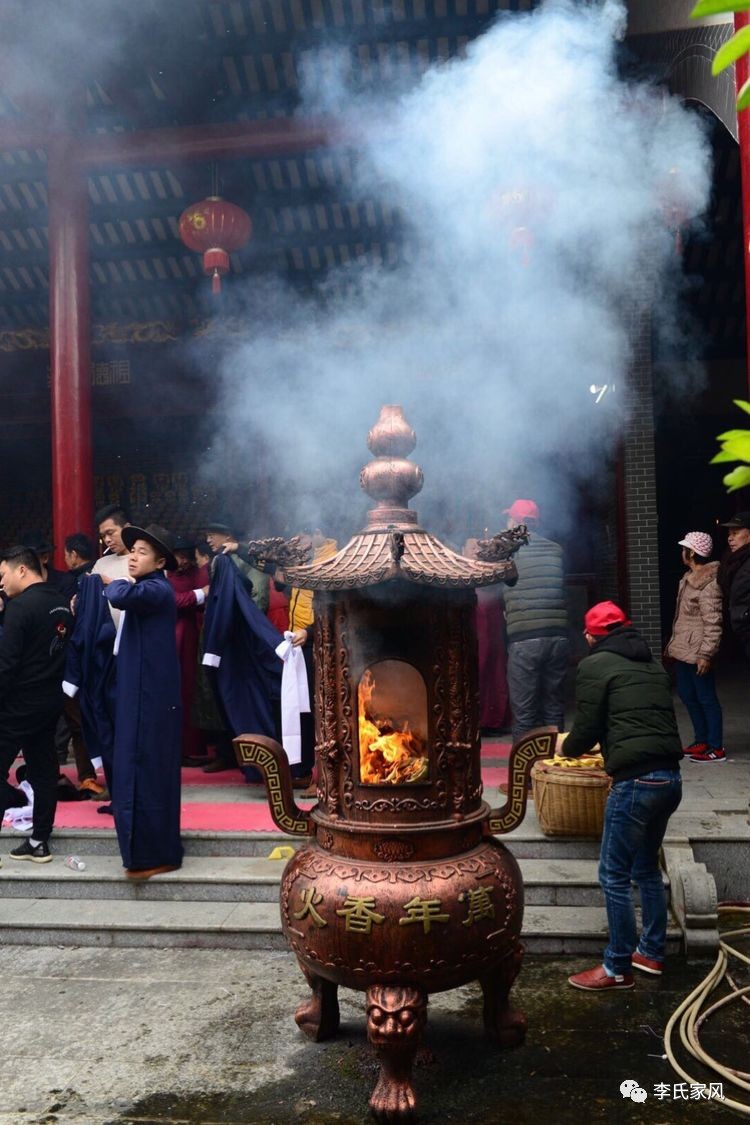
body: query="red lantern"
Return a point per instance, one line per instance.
(214, 228)
(521, 211)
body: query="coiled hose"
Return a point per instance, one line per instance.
(690, 1016)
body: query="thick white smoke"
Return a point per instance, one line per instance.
(536, 190)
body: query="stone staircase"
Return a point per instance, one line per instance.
(226, 895)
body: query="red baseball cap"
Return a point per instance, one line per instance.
(603, 617)
(523, 510)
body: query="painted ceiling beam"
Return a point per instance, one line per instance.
(155, 148)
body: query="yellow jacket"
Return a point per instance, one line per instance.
(301, 601)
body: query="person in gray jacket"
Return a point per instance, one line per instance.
(536, 617)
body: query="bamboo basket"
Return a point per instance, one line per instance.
(569, 802)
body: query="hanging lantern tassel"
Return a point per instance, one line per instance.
(216, 262)
(214, 228)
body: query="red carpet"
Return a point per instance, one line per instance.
(190, 776)
(498, 750)
(251, 815)
(196, 816)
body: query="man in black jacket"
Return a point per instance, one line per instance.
(624, 703)
(734, 577)
(58, 579)
(38, 622)
(79, 557)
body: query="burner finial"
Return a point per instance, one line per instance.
(390, 480)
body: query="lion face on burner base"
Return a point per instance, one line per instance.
(395, 1015)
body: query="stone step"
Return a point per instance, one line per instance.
(527, 842)
(562, 882)
(152, 924)
(250, 925)
(201, 879)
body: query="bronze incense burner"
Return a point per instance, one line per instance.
(401, 888)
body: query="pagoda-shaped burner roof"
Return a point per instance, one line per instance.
(393, 546)
(381, 555)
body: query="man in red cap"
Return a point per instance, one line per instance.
(536, 616)
(624, 703)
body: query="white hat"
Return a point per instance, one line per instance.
(700, 542)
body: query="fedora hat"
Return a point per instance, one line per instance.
(183, 543)
(159, 538)
(220, 524)
(742, 519)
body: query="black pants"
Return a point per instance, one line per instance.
(34, 735)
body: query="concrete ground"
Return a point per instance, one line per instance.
(109, 1037)
(196, 1037)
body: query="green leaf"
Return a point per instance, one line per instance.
(721, 456)
(738, 478)
(743, 98)
(715, 7)
(733, 435)
(732, 50)
(742, 404)
(737, 451)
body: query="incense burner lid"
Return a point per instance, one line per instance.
(393, 546)
(385, 554)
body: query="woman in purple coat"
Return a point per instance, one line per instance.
(146, 795)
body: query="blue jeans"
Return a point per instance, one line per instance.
(635, 820)
(698, 693)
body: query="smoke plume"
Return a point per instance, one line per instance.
(534, 187)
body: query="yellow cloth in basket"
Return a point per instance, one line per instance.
(587, 761)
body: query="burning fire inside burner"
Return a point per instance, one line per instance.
(390, 753)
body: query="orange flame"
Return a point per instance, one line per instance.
(387, 756)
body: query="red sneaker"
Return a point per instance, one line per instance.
(647, 964)
(717, 755)
(599, 980)
(695, 748)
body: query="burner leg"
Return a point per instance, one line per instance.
(502, 1022)
(318, 1017)
(396, 1017)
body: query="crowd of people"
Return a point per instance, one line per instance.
(158, 653)
(149, 658)
(523, 632)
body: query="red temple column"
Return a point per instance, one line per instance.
(742, 70)
(70, 342)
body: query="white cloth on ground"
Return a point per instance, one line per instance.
(21, 817)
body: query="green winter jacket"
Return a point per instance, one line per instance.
(536, 605)
(624, 702)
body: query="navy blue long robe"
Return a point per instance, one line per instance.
(239, 643)
(90, 667)
(146, 797)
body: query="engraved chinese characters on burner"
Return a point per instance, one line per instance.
(479, 904)
(309, 900)
(360, 915)
(424, 912)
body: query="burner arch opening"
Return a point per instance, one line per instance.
(392, 725)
